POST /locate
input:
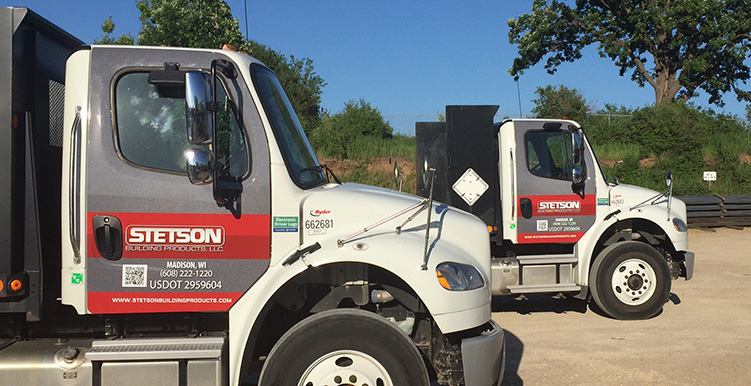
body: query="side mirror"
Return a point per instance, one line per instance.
(577, 176)
(668, 178)
(197, 108)
(200, 170)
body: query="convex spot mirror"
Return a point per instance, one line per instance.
(577, 177)
(200, 170)
(425, 168)
(197, 108)
(668, 178)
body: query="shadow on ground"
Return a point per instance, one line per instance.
(514, 352)
(530, 304)
(538, 303)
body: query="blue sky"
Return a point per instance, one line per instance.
(407, 58)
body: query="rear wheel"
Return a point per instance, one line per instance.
(630, 280)
(344, 347)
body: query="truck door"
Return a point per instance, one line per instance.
(551, 207)
(155, 242)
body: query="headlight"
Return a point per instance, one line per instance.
(679, 225)
(458, 277)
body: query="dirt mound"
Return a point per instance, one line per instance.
(745, 158)
(710, 159)
(648, 162)
(339, 166)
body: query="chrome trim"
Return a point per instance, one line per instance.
(74, 187)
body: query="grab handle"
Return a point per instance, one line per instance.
(75, 188)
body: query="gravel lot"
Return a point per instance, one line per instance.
(703, 335)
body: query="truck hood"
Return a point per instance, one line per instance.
(336, 212)
(630, 196)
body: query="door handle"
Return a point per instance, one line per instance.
(525, 206)
(108, 234)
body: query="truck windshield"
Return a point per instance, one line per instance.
(301, 162)
(597, 160)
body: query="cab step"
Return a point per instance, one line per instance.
(546, 259)
(536, 289)
(156, 349)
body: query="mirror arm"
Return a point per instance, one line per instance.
(429, 206)
(213, 106)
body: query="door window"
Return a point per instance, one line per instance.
(549, 154)
(151, 129)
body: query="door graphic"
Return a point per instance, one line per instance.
(550, 210)
(156, 242)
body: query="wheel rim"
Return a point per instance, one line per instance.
(634, 282)
(346, 368)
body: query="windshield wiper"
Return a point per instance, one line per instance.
(322, 168)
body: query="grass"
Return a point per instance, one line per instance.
(728, 144)
(381, 178)
(369, 147)
(727, 154)
(616, 151)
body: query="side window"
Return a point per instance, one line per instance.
(549, 154)
(151, 129)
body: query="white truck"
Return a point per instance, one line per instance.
(165, 221)
(557, 225)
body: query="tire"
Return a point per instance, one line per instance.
(344, 347)
(630, 280)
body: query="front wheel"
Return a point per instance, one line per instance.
(344, 347)
(630, 280)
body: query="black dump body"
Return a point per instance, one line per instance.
(32, 77)
(467, 139)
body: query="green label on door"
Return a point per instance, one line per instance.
(286, 224)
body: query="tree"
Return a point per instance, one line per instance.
(302, 85)
(560, 102)
(358, 120)
(691, 44)
(188, 23)
(106, 38)
(209, 24)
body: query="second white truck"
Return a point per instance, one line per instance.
(557, 224)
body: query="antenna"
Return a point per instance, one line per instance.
(518, 96)
(246, 20)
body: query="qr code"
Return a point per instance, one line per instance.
(542, 225)
(134, 275)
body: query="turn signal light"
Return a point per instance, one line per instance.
(442, 280)
(16, 285)
(2, 285)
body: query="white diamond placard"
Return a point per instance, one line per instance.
(470, 186)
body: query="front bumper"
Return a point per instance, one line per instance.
(484, 357)
(688, 264)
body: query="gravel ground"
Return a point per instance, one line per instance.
(703, 335)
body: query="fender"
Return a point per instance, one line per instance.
(443, 304)
(452, 310)
(585, 248)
